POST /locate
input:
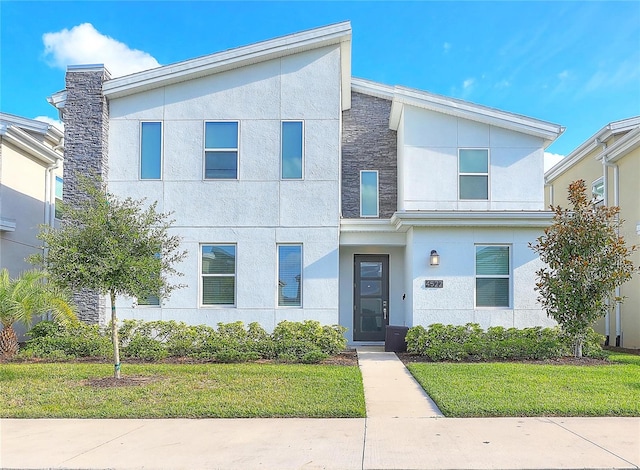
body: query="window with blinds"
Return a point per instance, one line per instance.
(493, 278)
(218, 274)
(290, 275)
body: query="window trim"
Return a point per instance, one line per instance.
(201, 276)
(161, 151)
(477, 276)
(206, 149)
(487, 174)
(278, 276)
(302, 157)
(377, 214)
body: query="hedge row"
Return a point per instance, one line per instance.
(306, 342)
(471, 343)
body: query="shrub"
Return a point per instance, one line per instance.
(52, 340)
(469, 342)
(308, 340)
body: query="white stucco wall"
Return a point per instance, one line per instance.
(454, 302)
(258, 210)
(428, 144)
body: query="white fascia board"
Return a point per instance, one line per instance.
(366, 225)
(474, 112)
(58, 100)
(368, 87)
(589, 145)
(30, 145)
(7, 225)
(356, 232)
(404, 220)
(32, 125)
(622, 147)
(337, 34)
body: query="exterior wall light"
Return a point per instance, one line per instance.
(434, 258)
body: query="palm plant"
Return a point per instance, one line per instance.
(25, 297)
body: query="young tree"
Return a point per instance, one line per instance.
(23, 298)
(113, 246)
(586, 260)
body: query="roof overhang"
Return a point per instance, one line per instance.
(402, 221)
(336, 34)
(367, 87)
(546, 131)
(594, 142)
(33, 147)
(7, 225)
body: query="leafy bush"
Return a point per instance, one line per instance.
(469, 342)
(307, 341)
(53, 340)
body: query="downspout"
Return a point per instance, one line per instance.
(605, 182)
(49, 188)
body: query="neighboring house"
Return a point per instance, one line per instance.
(30, 184)
(303, 193)
(609, 163)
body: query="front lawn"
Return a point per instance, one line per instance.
(530, 389)
(74, 390)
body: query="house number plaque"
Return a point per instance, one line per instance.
(431, 283)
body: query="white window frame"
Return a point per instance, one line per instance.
(597, 200)
(161, 151)
(206, 149)
(377, 214)
(508, 276)
(278, 276)
(56, 199)
(302, 163)
(487, 174)
(201, 276)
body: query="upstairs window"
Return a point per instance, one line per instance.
(473, 174)
(221, 150)
(292, 149)
(493, 280)
(59, 186)
(290, 275)
(368, 193)
(597, 190)
(150, 150)
(218, 274)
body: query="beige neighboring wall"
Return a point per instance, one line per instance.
(618, 145)
(30, 160)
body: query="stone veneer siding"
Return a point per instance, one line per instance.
(368, 144)
(86, 129)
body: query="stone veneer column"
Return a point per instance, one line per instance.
(368, 144)
(86, 129)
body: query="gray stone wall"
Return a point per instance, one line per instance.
(368, 144)
(86, 128)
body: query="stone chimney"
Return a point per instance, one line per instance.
(86, 138)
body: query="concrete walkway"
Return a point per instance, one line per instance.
(403, 430)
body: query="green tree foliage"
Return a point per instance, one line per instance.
(113, 246)
(23, 298)
(586, 260)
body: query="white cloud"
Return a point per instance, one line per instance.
(468, 83)
(550, 159)
(50, 121)
(83, 44)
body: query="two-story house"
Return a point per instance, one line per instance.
(303, 193)
(609, 163)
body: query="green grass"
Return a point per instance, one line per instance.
(518, 389)
(60, 390)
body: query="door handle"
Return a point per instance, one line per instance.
(384, 309)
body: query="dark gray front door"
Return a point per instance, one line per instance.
(370, 297)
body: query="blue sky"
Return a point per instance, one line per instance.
(572, 63)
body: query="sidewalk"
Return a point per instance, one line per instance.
(403, 430)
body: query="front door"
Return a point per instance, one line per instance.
(370, 297)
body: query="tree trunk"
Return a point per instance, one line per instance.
(577, 347)
(114, 336)
(8, 342)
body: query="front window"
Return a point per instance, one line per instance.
(493, 280)
(150, 150)
(290, 275)
(473, 176)
(368, 194)
(221, 150)
(292, 149)
(218, 273)
(597, 190)
(59, 186)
